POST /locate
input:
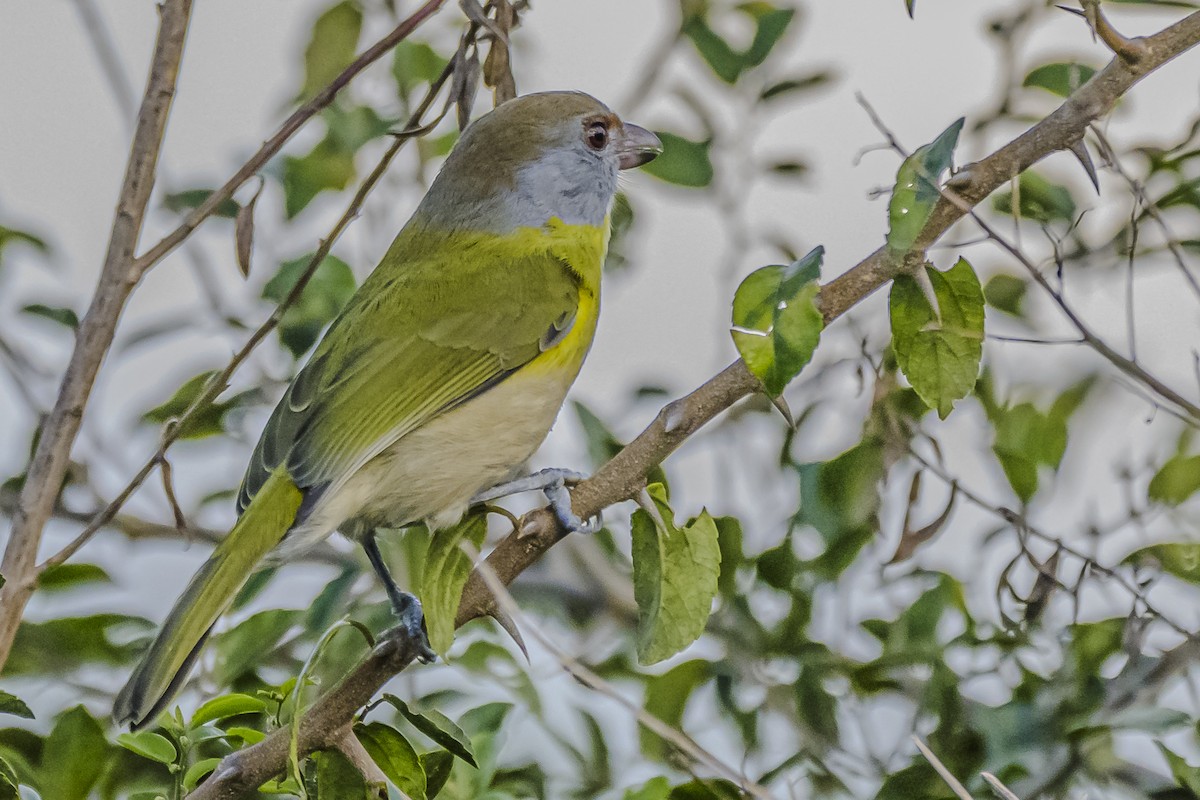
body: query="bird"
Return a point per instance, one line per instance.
(442, 375)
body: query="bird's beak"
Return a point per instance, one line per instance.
(637, 147)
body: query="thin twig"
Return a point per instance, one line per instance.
(52, 457)
(1019, 520)
(289, 127)
(940, 768)
(1150, 208)
(217, 384)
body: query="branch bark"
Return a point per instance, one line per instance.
(96, 330)
(121, 273)
(625, 474)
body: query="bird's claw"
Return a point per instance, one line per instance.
(553, 484)
(411, 626)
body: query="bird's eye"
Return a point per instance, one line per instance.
(597, 136)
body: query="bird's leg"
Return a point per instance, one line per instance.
(553, 483)
(405, 605)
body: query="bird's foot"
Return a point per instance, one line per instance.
(411, 625)
(553, 483)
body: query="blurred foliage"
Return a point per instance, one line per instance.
(786, 634)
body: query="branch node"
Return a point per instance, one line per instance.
(1128, 50)
(673, 416)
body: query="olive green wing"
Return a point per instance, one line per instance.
(416, 340)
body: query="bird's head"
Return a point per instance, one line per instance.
(536, 157)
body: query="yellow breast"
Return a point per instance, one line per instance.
(581, 248)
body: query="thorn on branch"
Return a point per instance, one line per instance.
(1080, 151)
(1128, 50)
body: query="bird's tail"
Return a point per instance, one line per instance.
(165, 666)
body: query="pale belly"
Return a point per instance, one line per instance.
(432, 473)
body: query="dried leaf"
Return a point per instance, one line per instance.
(911, 539)
(243, 232)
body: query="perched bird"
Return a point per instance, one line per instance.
(443, 374)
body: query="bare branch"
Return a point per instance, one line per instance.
(96, 330)
(216, 385)
(120, 274)
(940, 768)
(1129, 50)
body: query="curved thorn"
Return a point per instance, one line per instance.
(1080, 151)
(505, 620)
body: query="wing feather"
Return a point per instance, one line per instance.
(424, 333)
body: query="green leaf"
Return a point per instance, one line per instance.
(620, 221)
(776, 322)
(180, 202)
(840, 500)
(70, 575)
(800, 83)
(437, 766)
(1027, 438)
(815, 706)
(63, 316)
(1061, 78)
(675, 573)
(11, 235)
(1184, 773)
(658, 788)
(149, 745)
(225, 706)
(338, 779)
(248, 735)
(73, 756)
(1006, 293)
(447, 568)
(666, 698)
(11, 704)
(332, 46)
(67, 643)
(1041, 200)
(415, 63)
(209, 418)
(917, 188)
(728, 63)
(392, 753)
(1154, 720)
(683, 162)
(725, 62)
(438, 727)
(199, 770)
(244, 647)
(770, 24)
(910, 6)
(1176, 480)
(1181, 559)
(323, 298)
(706, 790)
(349, 129)
(327, 167)
(939, 353)
(729, 538)
(9, 785)
(331, 602)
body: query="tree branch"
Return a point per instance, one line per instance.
(120, 274)
(625, 474)
(96, 330)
